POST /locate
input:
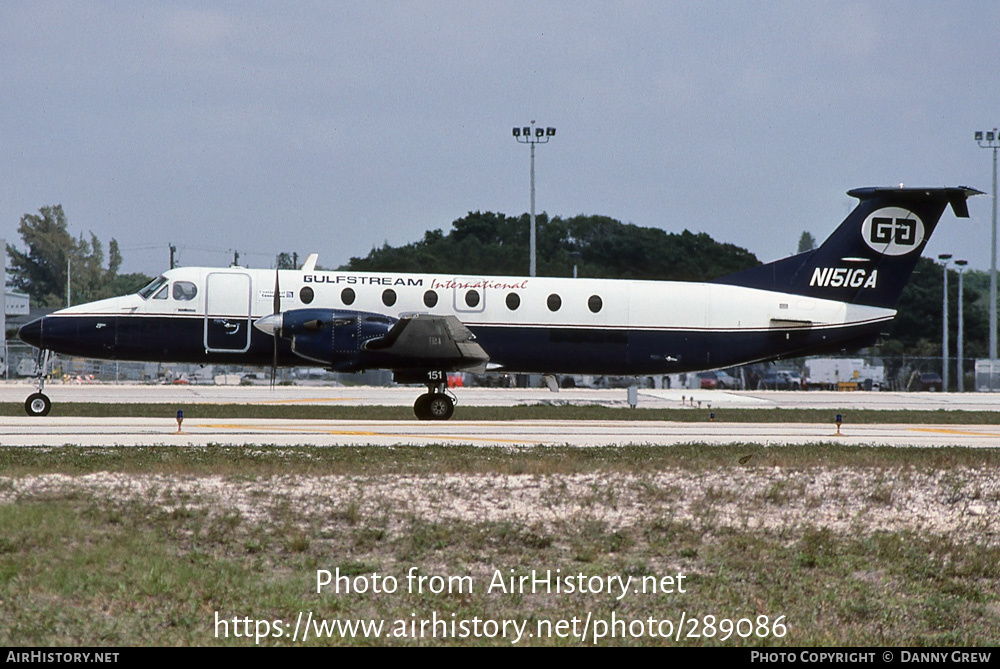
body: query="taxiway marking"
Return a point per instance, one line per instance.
(284, 429)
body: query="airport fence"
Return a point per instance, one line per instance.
(901, 373)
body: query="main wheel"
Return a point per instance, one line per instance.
(420, 409)
(37, 404)
(433, 406)
(440, 406)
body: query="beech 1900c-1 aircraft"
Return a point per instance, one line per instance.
(422, 326)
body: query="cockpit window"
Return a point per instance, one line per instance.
(150, 288)
(184, 290)
(162, 294)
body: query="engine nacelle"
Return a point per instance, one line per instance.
(331, 337)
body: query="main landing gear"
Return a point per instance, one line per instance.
(434, 404)
(38, 403)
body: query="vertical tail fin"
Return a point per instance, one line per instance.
(869, 258)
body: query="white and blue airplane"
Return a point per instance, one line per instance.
(422, 326)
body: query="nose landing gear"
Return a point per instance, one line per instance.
(38, 403)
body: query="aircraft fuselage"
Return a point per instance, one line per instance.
(544, 325)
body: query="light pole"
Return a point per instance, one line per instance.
(575, 257)
(960, 266)
(989, 140)
(944, 257)
(532, 135)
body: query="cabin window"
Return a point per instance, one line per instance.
(513, 301)
(595, 303)
(472, 298)
(388, 297)
(347, 296)
(184, 291)
(306, 295)
(430, 299)
(554, 302)
(150, 288)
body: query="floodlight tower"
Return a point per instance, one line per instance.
(532, 135)
(944, 258)
(991, 140)
(960, 267)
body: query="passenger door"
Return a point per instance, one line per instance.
(227, 312)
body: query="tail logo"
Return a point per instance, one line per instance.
(893, 231)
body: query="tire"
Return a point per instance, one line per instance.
(439, 406)
(37, 404)
(420, 409)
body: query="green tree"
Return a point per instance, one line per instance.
(287, 260)
(806, 242)
(496, 244)
(916, 330)
(52, 252)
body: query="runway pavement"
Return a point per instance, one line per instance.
(404, 396)
(57, 431)
(52, 431)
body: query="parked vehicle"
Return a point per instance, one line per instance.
(830, 373)
(702, 381)
(772, 381)
(930, 382)
(727, 381)
(780, 380)
(709, 380)
(794, 379)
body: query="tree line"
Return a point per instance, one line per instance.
(599, 246)
(53, 255)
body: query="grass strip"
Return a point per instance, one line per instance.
(262, 461)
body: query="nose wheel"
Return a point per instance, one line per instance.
(38, 403)
(434, 405)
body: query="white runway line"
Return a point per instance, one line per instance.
(155, 431)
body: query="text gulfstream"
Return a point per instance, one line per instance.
(362, 280)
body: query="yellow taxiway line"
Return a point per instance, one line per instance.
(364, 433)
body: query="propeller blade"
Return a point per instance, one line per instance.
(276, 305)
(274, 363)
(277, 331)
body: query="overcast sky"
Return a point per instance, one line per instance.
(333, 127)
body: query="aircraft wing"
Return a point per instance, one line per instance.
(422, 340)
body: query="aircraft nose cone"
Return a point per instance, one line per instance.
(31, 333)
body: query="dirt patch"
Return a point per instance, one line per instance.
(961, 504)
